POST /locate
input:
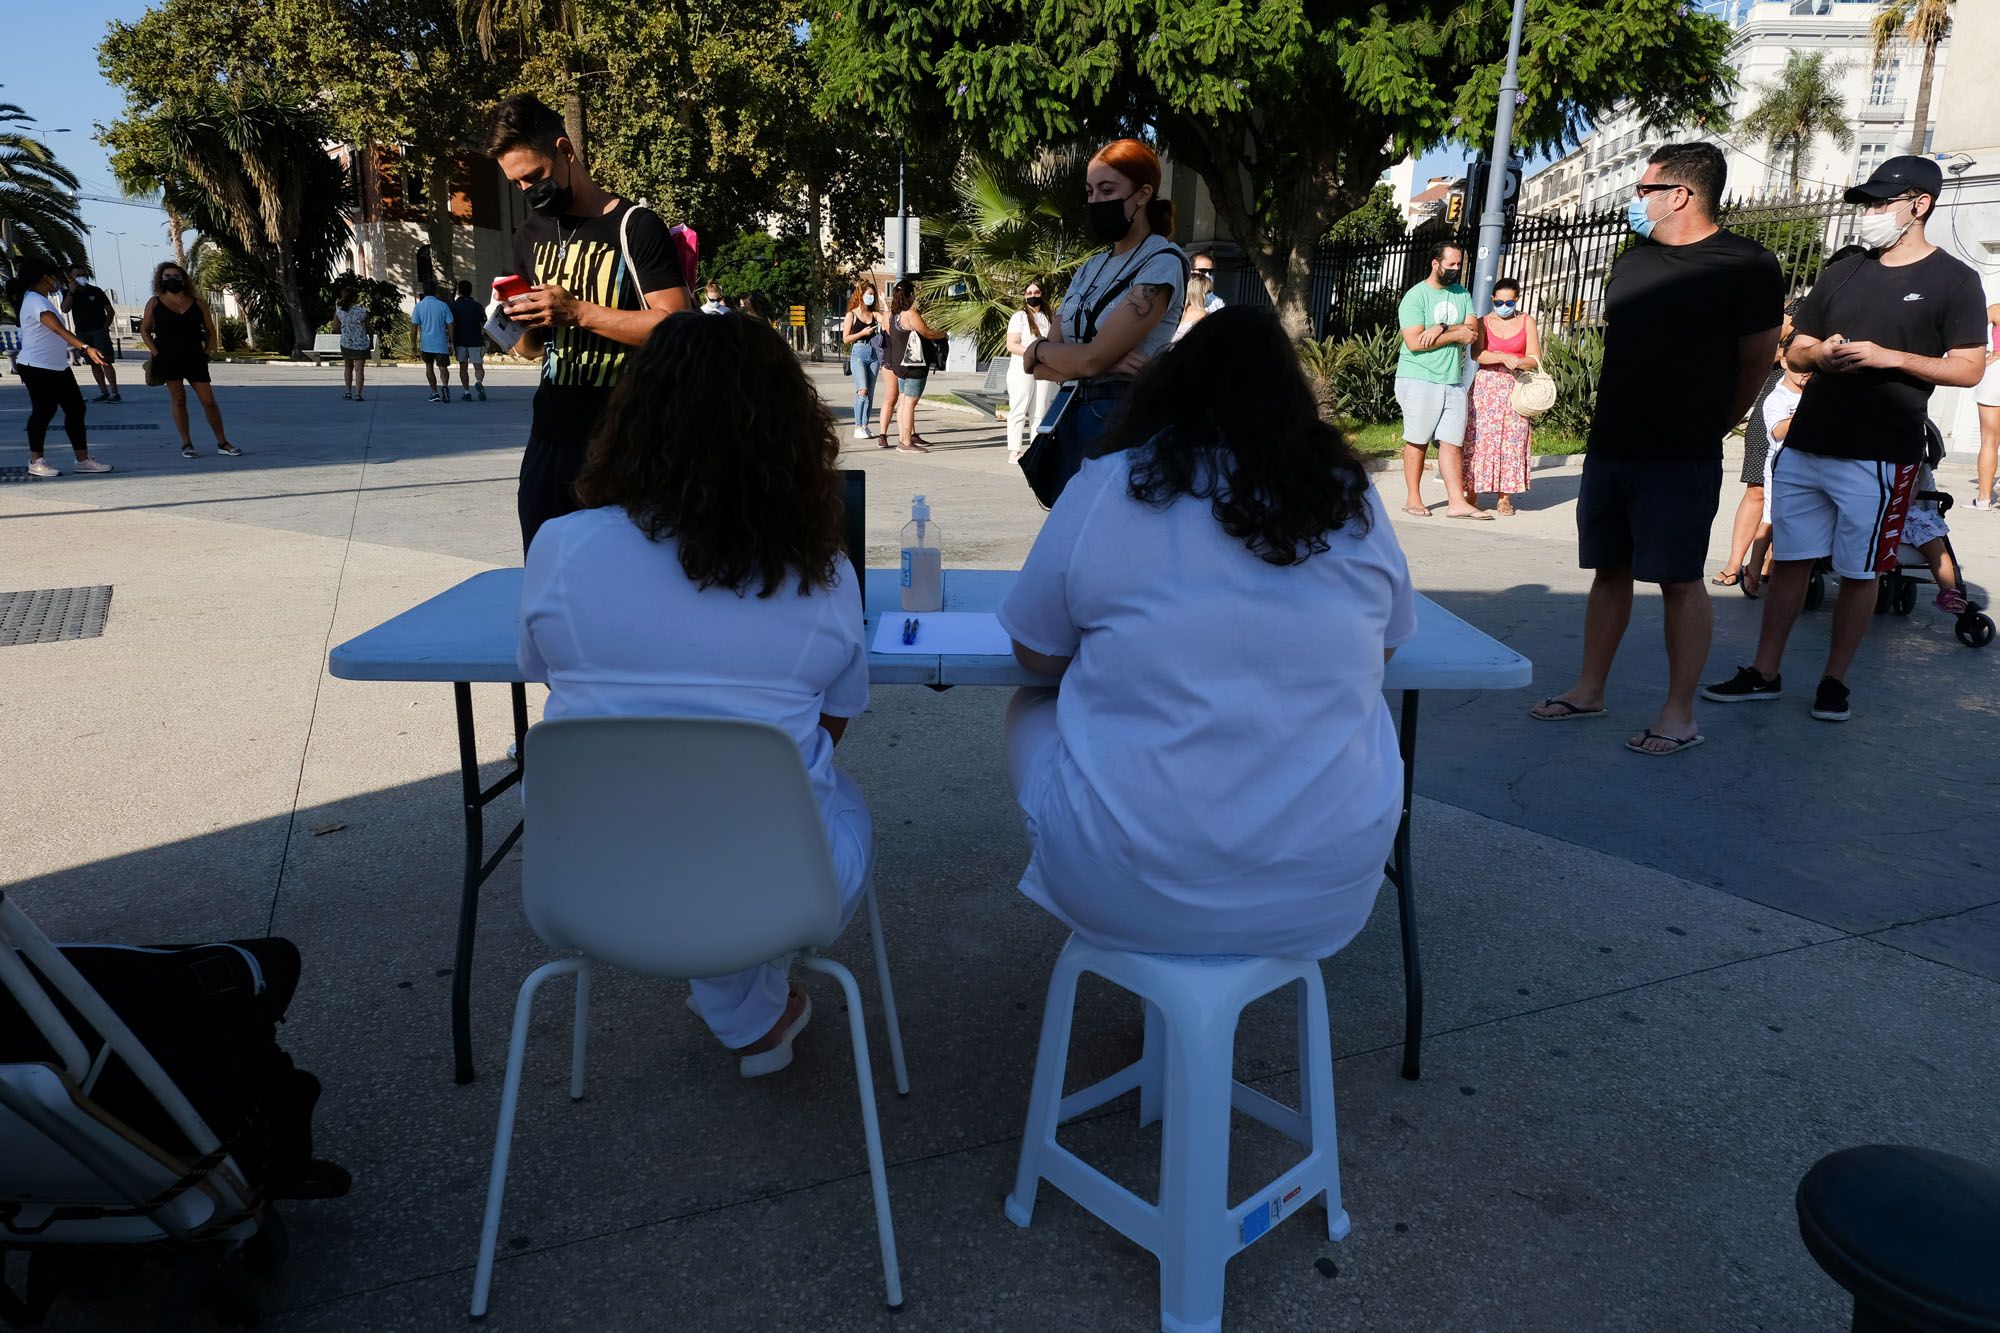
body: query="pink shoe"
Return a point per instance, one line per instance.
(1951, 601)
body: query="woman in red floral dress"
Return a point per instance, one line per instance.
(1498, 439)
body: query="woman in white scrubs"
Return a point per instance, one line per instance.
(708, 578)
(1217, 772)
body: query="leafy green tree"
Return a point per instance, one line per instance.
(776, 269)
(1923, 24)
(1376, 221)
(1288, 109)
(38, 216)
(1803, 104)
(248, 166)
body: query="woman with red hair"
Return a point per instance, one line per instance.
(1122, 306)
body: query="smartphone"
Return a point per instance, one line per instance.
(507, 288)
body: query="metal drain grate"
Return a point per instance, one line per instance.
(97, 426)
(51, 615)
(8, 474)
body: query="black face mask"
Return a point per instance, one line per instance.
(1107, 219)
(1034, 303)
(174, 285)
(548, 199)
(1449, 276)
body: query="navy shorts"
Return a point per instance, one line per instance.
(1649, 515)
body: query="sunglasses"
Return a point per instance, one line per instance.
(1644, 190)
(1881, 204)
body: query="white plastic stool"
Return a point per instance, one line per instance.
(1186, 1075)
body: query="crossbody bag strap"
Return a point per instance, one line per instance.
(1123, 282)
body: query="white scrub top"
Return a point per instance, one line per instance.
(1227, 778)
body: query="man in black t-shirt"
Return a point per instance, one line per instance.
(89, 311)
(1691, 315)
(604, 272)
(1880, 330)
(468, 342)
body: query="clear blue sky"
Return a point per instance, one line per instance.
(60, 86)
(54, 78)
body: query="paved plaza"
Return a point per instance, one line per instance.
(1659, 989)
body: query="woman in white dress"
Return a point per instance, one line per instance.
(1027, 397)
(708, 578)
(1217, 594)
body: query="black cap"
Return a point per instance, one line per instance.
(1899, 175)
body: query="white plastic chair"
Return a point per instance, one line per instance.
(1184, 1078)
(680, 848)
(71, 1173)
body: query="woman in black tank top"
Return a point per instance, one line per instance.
(905, 360)
(179, 332)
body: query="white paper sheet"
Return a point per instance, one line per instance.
(945, 633)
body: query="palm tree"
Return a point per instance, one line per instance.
(1013, 224)
(1923, 23)
(247, 167)
(1803, 104)
(38, 214)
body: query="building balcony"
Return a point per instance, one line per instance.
(1886, 113)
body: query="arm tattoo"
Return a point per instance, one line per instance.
(1148, 297)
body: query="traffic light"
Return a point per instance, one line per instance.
(1454, 207)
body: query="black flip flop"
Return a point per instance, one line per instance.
(1570, 711)
(1679, 743)
(1727, 579)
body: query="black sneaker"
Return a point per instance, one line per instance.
(1830, 701)
(1748, 683)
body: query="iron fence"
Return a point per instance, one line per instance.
(1562, 261)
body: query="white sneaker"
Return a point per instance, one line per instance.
(863, 433)
(91, 465)
(42, 467)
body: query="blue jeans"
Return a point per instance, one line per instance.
(864, 360)
(1082, 428)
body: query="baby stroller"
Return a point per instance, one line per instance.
(1896, 590)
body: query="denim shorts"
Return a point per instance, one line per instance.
(1431, 411)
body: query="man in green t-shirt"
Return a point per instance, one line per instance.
(1438, 325)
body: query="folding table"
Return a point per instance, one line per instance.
(468, 635)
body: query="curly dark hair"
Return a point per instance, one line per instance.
(715, 438)
(1226, 416)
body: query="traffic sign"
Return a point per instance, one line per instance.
(798, 316)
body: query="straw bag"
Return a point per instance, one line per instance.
(1534, 393)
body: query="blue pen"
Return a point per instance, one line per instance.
(909, 632)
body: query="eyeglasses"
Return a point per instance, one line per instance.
(1643, 190)
(1881, 204)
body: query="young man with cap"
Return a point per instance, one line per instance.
(1878, 331)
(89, 311)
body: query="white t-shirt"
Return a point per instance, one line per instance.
(1228, 771)
(41, 346)
(1018, 328)
(616, 627)
(1779, 404)
(1155, 261)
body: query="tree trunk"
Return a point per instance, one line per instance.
(1285, 265)
(437, 219)
(1923, 107)
(572, 114)
(818, 292)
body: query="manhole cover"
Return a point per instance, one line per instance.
(50, 615)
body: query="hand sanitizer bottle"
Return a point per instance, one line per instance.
(923, 562)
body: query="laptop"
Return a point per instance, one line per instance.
(854, 525)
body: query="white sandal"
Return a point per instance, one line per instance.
(779, 1056)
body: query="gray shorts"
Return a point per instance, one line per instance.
(471, 354)
(1431, 411)
(1850, 511)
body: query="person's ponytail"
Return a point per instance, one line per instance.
(1160, 218)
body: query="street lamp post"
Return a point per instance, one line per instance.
(119, 241)
(1492, 216)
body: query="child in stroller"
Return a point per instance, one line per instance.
(1926, 550)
